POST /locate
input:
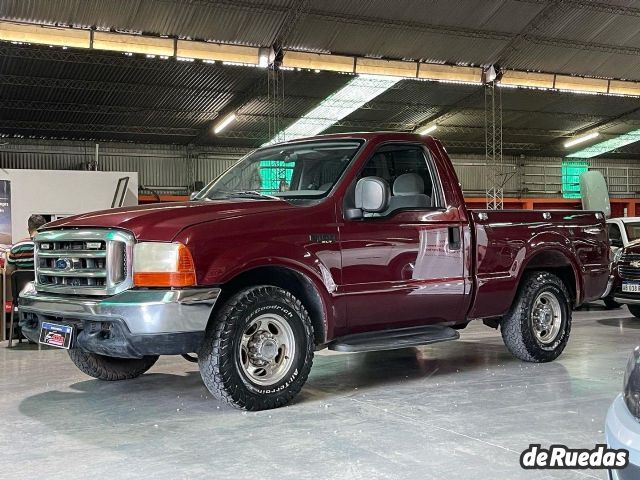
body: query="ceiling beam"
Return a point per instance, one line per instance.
(90, 128)
(595, 6)
(481, 145)
(92, 108)
(110, 87)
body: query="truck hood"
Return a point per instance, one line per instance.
(163, 221)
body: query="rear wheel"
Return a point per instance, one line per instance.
(110, 368)
(258, 351)
(537, 327)
(635, 310)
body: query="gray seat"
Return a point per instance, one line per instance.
(408, 192)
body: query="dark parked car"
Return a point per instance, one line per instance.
(626, 277)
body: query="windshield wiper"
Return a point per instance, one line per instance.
(249, 194)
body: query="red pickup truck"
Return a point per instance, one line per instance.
(353, 242)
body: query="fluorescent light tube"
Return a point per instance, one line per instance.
(583, 138)
(338, 105)
(426, 130)
(224, 123)
(608, 145)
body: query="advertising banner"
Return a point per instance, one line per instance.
(5, 214)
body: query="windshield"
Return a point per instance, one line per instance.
(633, 230)
(301, 170)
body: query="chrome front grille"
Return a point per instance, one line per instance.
(83, 262)
(629, 266)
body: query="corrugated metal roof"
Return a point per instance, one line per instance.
(133, 92)
(588, 38)
(107, 96)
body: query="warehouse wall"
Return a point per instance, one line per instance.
(534, 176)
(47, 192)
(163, 168)
(174, 168)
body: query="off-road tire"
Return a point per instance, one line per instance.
(110, 368)
(635, 310)
(218, 359)
(610, 303)
(517, 325)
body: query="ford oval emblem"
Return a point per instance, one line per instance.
(63, 264)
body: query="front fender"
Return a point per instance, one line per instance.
(223, 258)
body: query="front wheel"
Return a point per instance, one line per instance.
(258, 351)
(111, 368)
(537, 327)
(635, 310)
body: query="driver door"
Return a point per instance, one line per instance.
(404, 266)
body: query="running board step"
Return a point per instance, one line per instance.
(394, 339)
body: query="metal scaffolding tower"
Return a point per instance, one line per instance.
(275, 95)
(495, 174)
(275, 174)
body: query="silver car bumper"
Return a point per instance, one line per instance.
(144, 312)
(627, 300)
(622, 430)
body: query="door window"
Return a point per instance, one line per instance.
(615, 236)
(405, 169)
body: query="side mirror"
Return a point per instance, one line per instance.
(372, 195)
(193, 195)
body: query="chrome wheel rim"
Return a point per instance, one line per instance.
(267, 349)
(546, 317)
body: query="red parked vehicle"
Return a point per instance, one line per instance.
(353, 242)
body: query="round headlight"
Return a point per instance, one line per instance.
(632, 383)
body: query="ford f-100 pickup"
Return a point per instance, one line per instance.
(353, 242)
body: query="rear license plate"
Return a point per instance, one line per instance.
(631, 287)
(56, 335)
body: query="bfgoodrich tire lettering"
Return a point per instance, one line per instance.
(111, 368)
(518, 325)
(226, 370)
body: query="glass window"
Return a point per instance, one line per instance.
(406, 171)
(633, 230)
(301, 170)
(615, 236)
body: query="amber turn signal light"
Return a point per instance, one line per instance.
(158, 264)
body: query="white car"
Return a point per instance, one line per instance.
(622, 231)
(622, 426)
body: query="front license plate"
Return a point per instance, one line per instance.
(631, 287)
(56, 335)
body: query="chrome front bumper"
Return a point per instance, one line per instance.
(144, 312)
(609, 287)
